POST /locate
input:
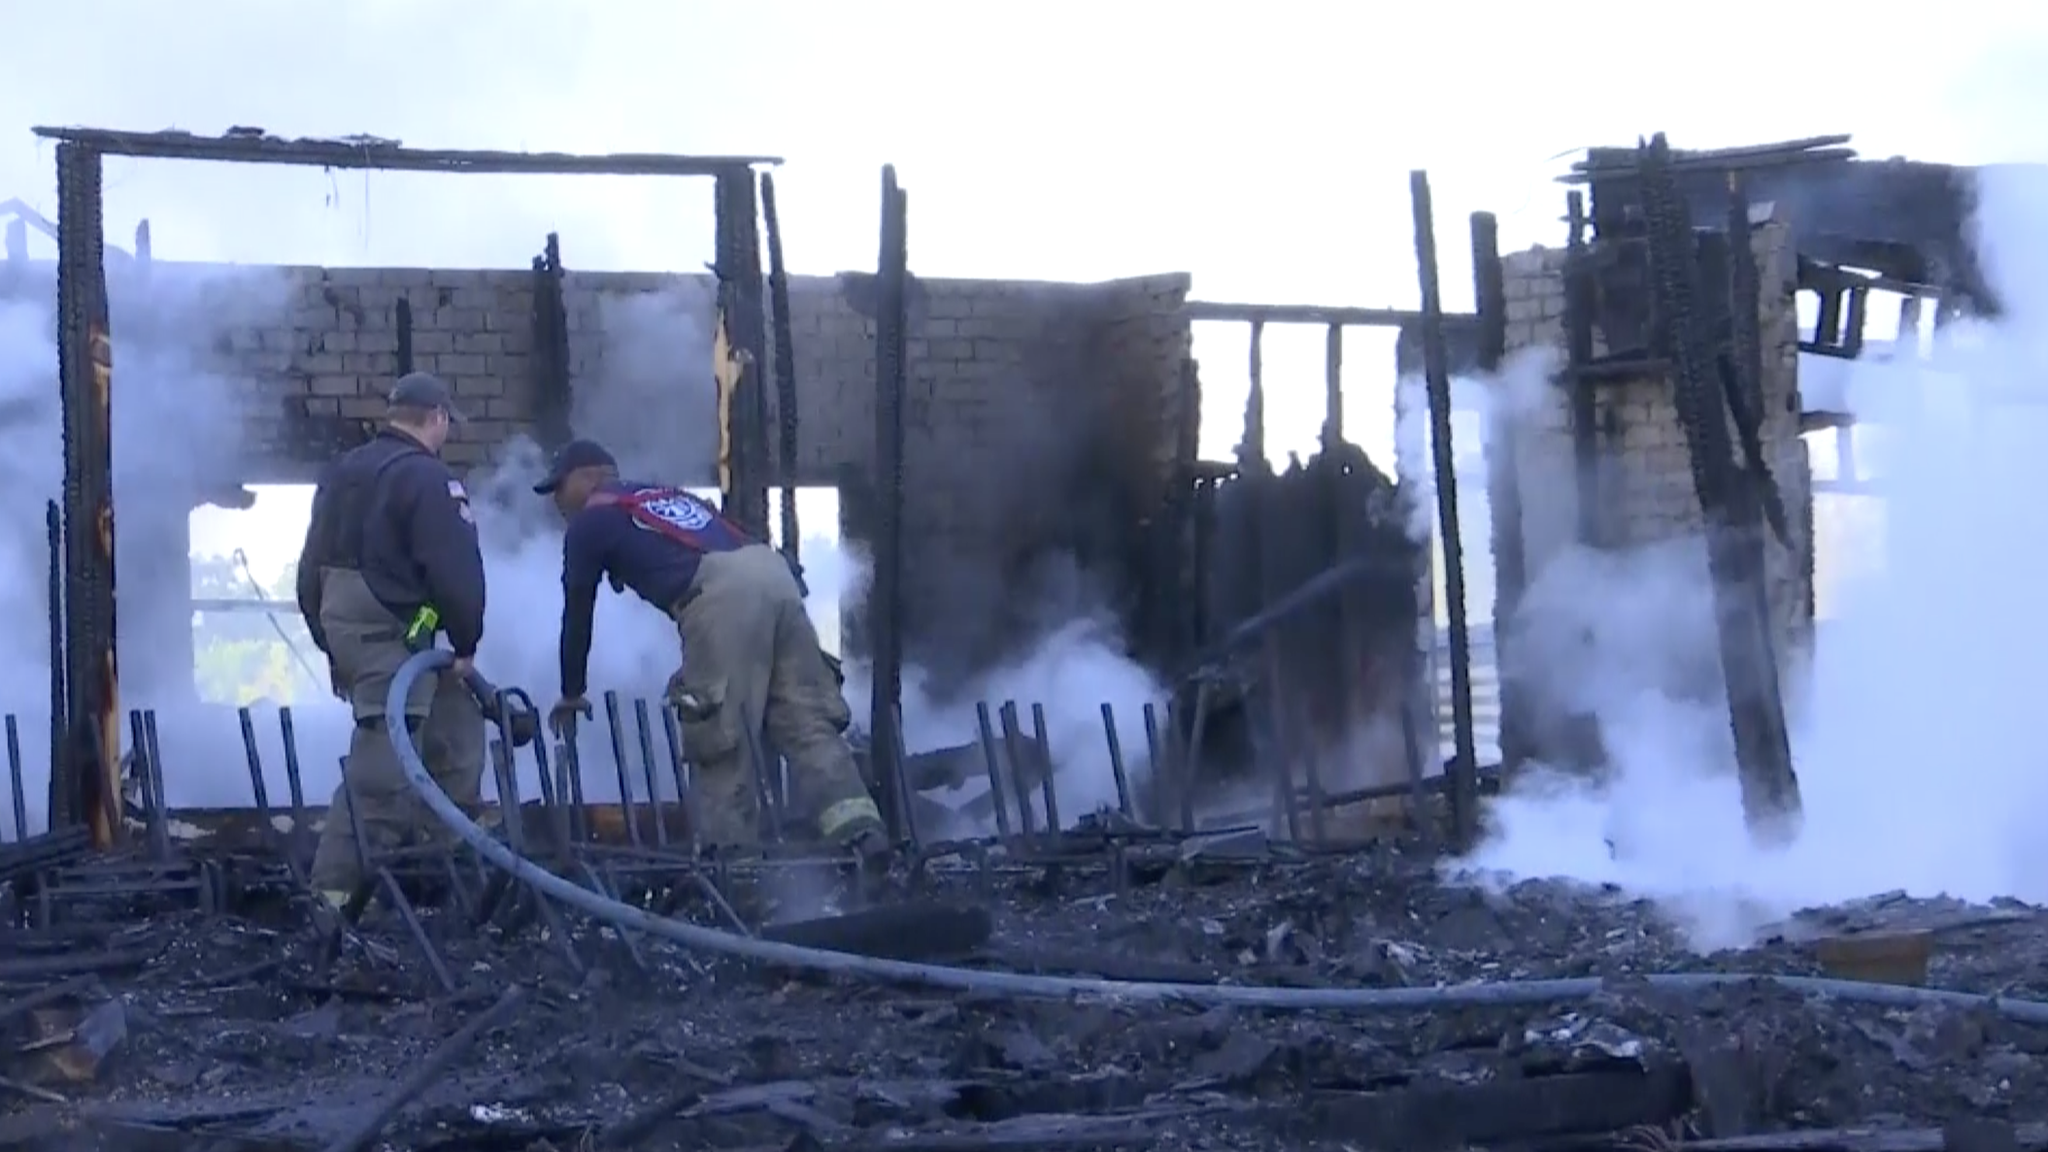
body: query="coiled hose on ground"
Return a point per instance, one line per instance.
(625, 917)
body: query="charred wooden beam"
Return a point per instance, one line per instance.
(1251, 447)
(741, 352)
(1504, 1111)
(91, 770)
(1578, 345)
(401, 320)
(1729, 504)
(1436, 374)
(786, 414)
(1819, 276)
(1316, 314)
(552, 400)
(885, 593)
(58, 792)
(1503, 473)
(1620, 162)
(253, 146)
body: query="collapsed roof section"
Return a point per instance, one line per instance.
(1908, 221)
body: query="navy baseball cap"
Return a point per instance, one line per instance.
(573, 455)
(425, 390)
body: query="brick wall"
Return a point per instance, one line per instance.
(1150, 434)
(981, 352)
(1145, 351)
(176, 367)
(1027, 404)
(1645, 480)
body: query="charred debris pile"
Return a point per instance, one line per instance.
(191, 992)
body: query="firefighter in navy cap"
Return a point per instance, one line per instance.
(750, 654)
(390, 559)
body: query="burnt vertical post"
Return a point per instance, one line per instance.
(553, 403)
(1745, 296)
(1333, 386)
(885, 593)
(1827, 317)
(1855, 321)
(1336, 463)
(91, 768)
(786, 414)
(1252, 468)
(1464, 768)
(1774, 769)
(1578, 347)
(401, 320)
(1730, 503)
(1504, 482)
(144, 251)
(1909, 325)
(739, 348)
(1252, 446)
(17, 244)
(60, 706)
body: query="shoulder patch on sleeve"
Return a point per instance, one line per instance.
(456, 490)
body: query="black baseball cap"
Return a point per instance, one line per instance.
(573, 455)
(425, 390)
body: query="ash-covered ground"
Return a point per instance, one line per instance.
(227, 1032)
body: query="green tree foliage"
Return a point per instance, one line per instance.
(246, 654)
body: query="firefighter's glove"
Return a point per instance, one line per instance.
(564, 714)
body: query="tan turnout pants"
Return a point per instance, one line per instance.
(368, 645)
(751, 655)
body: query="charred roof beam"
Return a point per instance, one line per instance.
(255, 146)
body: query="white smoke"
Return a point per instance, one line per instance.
(1914, 734)
(1414, 462)
(1070, 672)
(179, 425)
(646, 393)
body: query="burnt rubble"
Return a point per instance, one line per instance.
(252, 1027)
(189, 991)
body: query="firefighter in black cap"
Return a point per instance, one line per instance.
(750, 655)
(391, 557)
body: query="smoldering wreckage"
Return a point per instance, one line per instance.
(1251, 947)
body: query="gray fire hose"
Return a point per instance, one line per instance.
(625, 917)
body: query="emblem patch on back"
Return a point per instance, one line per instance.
(680, 511)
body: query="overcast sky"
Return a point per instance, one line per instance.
(1263, 148)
